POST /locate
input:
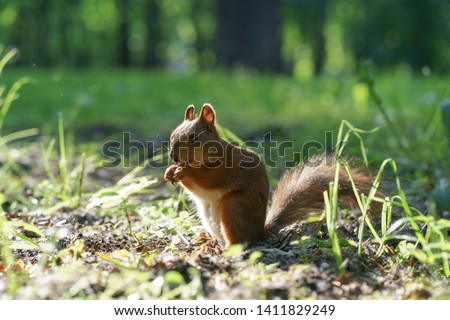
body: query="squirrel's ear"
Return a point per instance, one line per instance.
(189, 115)
(208, 114)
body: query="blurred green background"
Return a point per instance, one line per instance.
(300, 37)
(292, 67)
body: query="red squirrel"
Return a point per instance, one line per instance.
(230, 187)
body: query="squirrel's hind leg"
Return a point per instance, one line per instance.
(241, 221)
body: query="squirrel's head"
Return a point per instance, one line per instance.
(196, 140)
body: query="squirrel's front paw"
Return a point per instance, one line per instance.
(170, 171)
(173, 173)
(178, 174)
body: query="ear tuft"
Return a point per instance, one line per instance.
(208, 114)
(189, 115)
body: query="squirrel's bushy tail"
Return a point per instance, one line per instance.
(300, 191)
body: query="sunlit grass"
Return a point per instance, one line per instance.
(246, 102)
(132, 210)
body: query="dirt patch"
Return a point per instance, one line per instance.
(142, 249)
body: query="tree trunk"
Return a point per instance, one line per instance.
(153, 23)
(318, 37)
(64, 55)
(248, 34)
(42, 24)
(123, 49)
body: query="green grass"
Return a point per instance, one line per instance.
(101, 104)
(151, 103)
(156, 223)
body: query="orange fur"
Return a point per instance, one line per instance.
(230, 186)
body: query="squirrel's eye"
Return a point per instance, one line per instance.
(192, 137)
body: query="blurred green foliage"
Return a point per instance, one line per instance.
(101, 104)
(312, 36)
